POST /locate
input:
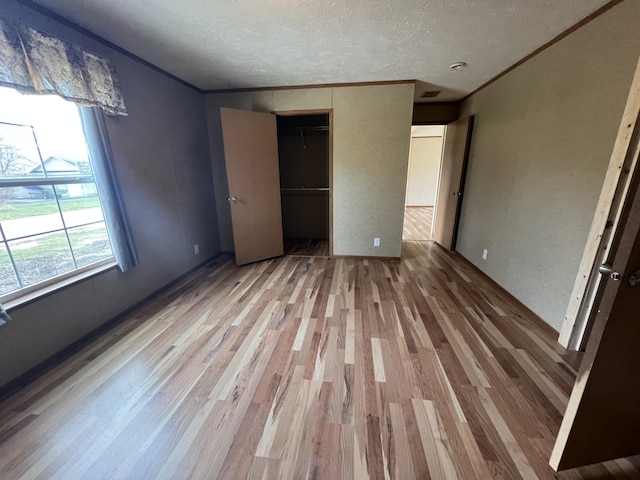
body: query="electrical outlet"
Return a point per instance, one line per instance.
(376, 242)
(485, 253)
(196, 249)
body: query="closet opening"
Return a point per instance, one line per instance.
(304, 151)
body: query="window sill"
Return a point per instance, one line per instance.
(55, 285)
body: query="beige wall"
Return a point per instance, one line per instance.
(541, 144)
(370, 152)
(162, 159)
(425, 154)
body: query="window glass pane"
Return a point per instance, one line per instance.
(29, 210)
(57, 127)
(60, 137)
(90, 243)
(40, 257)
(19, 155)
(8, 279)
(80, 204)
(42, 141)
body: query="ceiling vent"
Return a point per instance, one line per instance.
(430, 93)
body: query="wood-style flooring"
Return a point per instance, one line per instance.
(306, 367)
(417, 223)
(306, 247)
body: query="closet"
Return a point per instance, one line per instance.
(303, 151)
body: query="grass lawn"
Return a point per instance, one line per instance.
(54, 248)
(44, 256)
(27, 208)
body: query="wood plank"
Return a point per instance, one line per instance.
(306, 367)
(417, 223)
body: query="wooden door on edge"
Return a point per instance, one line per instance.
(605, 226)
(602, 421)
(455, 153)
(251, 158)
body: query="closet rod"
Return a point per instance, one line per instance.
(319, 128)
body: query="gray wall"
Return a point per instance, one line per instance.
(371, 133)
(541, 144)
(162, 159)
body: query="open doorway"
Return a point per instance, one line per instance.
(304, 152)
(450, 152)
(425, 156)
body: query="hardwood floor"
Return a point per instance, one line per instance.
(306, 367)
(417, 223)
(306, 247)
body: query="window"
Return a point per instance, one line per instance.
(51, 220)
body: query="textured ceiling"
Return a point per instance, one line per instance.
(259, 43)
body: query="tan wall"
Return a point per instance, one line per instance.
(370, 152)
(541, 144)
(424, 166)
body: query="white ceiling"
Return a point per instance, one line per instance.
(224, 44)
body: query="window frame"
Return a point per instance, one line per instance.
(45, 286)
(36, 290)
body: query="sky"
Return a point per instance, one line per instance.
(55, 121)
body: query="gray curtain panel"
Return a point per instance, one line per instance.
(104, 171)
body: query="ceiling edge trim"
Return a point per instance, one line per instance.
(550, 43)
(314, 85)
(74, 26)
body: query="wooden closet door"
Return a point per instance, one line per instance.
(251, 158)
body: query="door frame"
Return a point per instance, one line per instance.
(406, 188)
(606, 221)
(329, 112)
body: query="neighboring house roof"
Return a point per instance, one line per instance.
(61, 165)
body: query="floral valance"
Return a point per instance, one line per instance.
(35, 62)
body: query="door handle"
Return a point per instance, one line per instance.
(232, 199)
(606, 269)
